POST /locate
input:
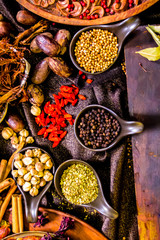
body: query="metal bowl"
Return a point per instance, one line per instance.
(100, 204)
(32, 203)
(121, 30)
(127, 127)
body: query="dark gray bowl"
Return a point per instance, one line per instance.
(121, 30)
(32, 203)
(127, 127)
(100, 204)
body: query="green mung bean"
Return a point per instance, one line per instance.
(79, 184)
(97, 47)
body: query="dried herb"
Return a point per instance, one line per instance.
(154, 35)
(156, 29)
(152, 54)
(66, 223)
(42, 220)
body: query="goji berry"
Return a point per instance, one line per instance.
(82, 97)
(42, 131)
(89, 81)
(55, 144)
(63, 134)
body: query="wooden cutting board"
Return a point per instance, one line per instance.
(144, 104)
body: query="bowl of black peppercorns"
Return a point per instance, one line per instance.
(98, 128)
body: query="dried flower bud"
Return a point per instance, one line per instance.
(35, 110)
(39, 166)
(33, 191)
(29, 153)
(42, 182)
(7, 133)
(14, 140)
(37, 152)
(20, 181)
(26, 187)
(29, 140)
(27, 177)
(22, 171)
(35, 180)
(18, 156)
(18, 164)
(48, 176)
(24, 133)
(44, 157)
(27, 160)
(48, 164)
(15, 173)
(33, 172)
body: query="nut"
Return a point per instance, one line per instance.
(35, 110)
(15, 173)
(37, 152)
(44, 157)
(18, 156)
(29, 140)
(27, 177)
(22, 171)
(26, 187)
(27, 160)
(24, 133)
(39, 166)
(35, 180)
(48, 164)
(18, 164)
(47, 176)
(33, 191)
(29, 153)
(7, 133)
(20, 181)
(42, 182)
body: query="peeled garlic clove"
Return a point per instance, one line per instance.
(15, 173)
(27, 177)
(26, 187)
(44, 158)
(27, 160)
(18, 164)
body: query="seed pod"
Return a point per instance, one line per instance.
(34, 47)
(27, 177)
(59, 67)
(44, 157)
(62, 37)
(33, 191)
(7, 133)
(48, 45)
(26, 187)
(25, 17)
(15, 173)
(41, 72)
(35, 93)
(29, 140)
(27, 160)
(24, 133)
(18, 164)
(22, 171)
(20, 181)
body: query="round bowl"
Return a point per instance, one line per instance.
(126, 127)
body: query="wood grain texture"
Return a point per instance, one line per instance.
(144, 105)
(80, 231)
(55, 17)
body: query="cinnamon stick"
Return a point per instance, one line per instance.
(20, 213)
(15, 221)
(7, 200)
(3, 166)
(6, 184)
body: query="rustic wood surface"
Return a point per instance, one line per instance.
(80, 231)
(144, 105)
(55, 17)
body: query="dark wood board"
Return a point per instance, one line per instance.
(144, 105)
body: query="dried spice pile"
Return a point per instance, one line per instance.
(53, 117)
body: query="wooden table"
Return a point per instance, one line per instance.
(144, 104)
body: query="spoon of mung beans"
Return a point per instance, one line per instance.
(94, 49)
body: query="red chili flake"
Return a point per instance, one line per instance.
(89, 81)
(42, 131)
(82, 97)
